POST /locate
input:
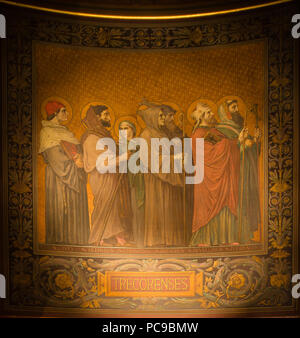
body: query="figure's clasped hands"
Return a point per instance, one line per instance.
(243, 135)
(257, 134)
(78, 160)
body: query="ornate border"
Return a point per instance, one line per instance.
(236, 284)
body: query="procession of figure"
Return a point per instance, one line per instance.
(152, 209)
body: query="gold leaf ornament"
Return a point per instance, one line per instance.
(196, 35)
(279, 280)
(236, 281)
(102, 36)
(280, 254)
(63, 281)
(280, 187)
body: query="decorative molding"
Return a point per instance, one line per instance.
(197, 15)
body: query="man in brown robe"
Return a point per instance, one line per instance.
(163, 214)
(112, 209)
(172, 130)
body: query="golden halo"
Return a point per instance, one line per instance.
(250, 120)
(97, 103)
(140, 122)
(241, 103)
(129, 118)
(179, 119)
(139, 119)
(61, 100)
(192, 107)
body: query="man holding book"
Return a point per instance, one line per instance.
(67, 217)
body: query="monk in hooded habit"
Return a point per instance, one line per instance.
(164, 224)
(172, 130)
(67, 217)
(111, 217)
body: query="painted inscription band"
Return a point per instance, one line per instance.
(150, 284)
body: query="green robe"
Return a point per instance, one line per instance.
(249, 215)
(137, 191)
(222, 229)
(249, 208)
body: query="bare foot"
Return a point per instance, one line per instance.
(121, 241)
(234, 243)
(202, 245)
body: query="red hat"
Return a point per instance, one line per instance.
(53, 107)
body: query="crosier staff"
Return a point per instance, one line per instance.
(244, 137)
(256, 136)
(244, 131)
(254, 110)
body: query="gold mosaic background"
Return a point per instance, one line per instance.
(122, 78)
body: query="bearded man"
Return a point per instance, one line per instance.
(111, 216)
(216, 198)
(170, 128)
(234, 127)
(172, 131)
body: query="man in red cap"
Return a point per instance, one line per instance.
(66, 207)
(54, 108)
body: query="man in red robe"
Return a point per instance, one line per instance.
(216, 197)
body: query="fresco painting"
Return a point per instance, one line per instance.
(171, 95)
(83, 243)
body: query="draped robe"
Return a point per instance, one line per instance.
(164, 214)
(66, 205)
(216, 197)
(249, 214)
(112, 213)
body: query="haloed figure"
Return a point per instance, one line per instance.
(163, 191)
(216, 197)
(170, 128)
(172, 131)
(67, 218)
(234, 127)
(137, 192)
(112, 208)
